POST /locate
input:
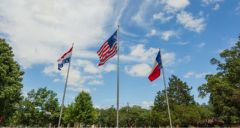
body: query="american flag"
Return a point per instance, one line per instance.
(108, 49)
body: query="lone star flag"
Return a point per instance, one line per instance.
(156, 68)
(108, 49)
(65, 58)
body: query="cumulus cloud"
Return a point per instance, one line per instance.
(195, 74)
(216, 7)
(139, 17)
(166, 35)
(191, 23)
(142, 58)
(207, 2)
(40, 30)
(162, 17)
(214, 3)
(140, 70)
(185, 59)
(201, 45)
(147, 104)
(82, 73)
(153, 32)
(138, 53)
(174, 5)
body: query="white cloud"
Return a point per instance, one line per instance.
(216, 7)
(189, 74)
(147, 104)
(88, 66)
(82, 73)
(207, 2)
(139, 70)
(123, 31)
(125, 4)
(143, 57)
(164, 35)
(237, 9)
(162, 17)
(110, 67)
(201, 45)
(140, 54)
(95, 82)
(153, 32)
(40, 31)
(174, 5)
(183, 43)
(214, 3)
(185, 59)
(196, 75)
(139, 17)
(167, 34)
(191, 23)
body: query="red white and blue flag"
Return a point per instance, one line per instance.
(156, 71)
(65, 58)
(108, 49)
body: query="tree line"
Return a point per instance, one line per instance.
(41, 106)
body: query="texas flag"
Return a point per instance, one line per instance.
(65, 58)
(156, 71)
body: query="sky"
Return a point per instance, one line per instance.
(188, 32)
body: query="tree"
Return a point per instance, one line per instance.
(179, 92)
(39, 108)
(81, 111)
(134, 116)
(184, 111)
(224, 86)
(10, 83)
(106, 117)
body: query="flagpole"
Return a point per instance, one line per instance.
(117, 122)
(169, 113)
(60, 117)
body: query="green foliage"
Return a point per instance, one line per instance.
(106, 117)
(81, 110)
(134, 116)
(184, 110)
(39, 108)
(179, 92)
(10, 83)
(224, 86)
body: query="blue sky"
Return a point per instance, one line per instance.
(189, 32)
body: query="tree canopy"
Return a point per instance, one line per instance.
(224, 86)
(10, 83)
(39, 108)
(81, 110)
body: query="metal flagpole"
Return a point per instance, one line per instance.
(60, 117)
(169, 113)
(117, 78)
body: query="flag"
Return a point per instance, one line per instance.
(108, 49)
(156, 71)
(65, 58)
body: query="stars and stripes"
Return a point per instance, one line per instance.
(65, 58)
(108, 49)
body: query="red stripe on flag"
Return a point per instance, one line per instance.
(155, 73)
(108, 54)
(70, 50)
